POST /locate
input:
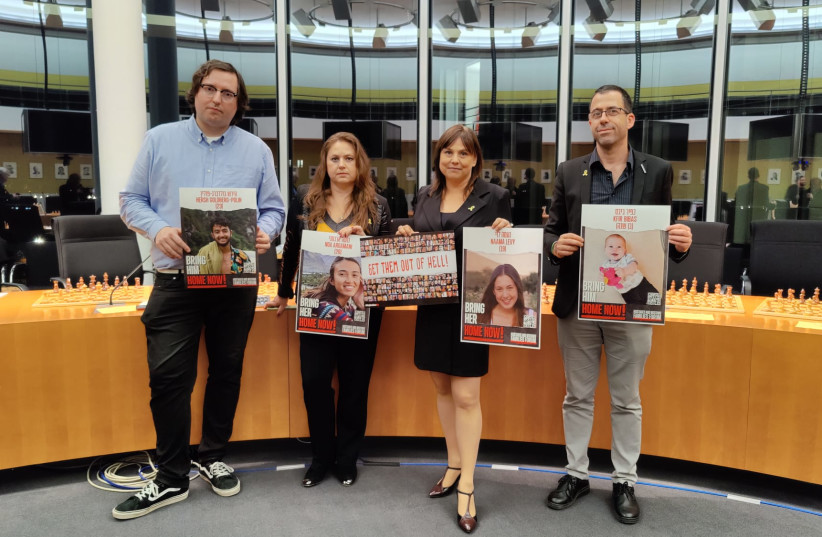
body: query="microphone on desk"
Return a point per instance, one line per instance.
(130, 274)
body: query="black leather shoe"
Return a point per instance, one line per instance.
(625, 504)
(347, 476)
(568, 490)
(315, 474)
(438, 491)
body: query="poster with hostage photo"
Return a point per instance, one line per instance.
(623, 263)
(330, 284)
(220, 227)
(501, 286)
(416, 270)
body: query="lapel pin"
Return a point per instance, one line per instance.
(643, 168)
(471, 208)
(585, 173)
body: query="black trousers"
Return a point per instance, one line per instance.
(174, 319)
(354, 360)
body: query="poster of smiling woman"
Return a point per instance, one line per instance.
(501, 284)
(330, 286)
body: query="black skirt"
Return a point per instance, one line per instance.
(437, 345)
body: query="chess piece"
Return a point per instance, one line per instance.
(791, 293)
(816, 296)
(802, 296)
(116, 281)
(137, 281)
(56, 287)
(705, 289)
(259, 278)
(673, 287)
(105, 280)
(718, 289)
(267, 278)
(68, 283)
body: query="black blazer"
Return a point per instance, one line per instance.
(437, 345)
(485, 204)
(653, 178)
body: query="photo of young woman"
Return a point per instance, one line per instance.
(504, 298)
(341, 293)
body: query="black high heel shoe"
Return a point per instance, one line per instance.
(438, 491)
(315, 474)
(466, 522)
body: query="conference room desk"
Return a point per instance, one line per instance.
(740, 390)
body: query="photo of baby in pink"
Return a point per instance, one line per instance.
(621, 271)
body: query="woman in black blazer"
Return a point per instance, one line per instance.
(341, 199)
(456, 200)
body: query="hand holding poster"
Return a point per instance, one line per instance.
(330, 284)
(502, 282)
(220, 227)
(624, 263)
(419, 269)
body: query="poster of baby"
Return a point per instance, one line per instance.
(624, 262)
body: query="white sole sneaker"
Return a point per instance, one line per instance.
(128, 515)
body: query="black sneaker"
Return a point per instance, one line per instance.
(221, 476)
(152, 497)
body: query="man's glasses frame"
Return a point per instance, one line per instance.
(612, 111)
(226, 95)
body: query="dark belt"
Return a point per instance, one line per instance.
(168, 275)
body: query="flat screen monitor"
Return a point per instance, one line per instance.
(380, 139)
(664, 139)
(771, 138)
(811, 136)
(510, 141)
(57, 131)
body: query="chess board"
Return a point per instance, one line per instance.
(691, 299)
(792, 307)
(98, 294)
(548, 293)
(91, 297)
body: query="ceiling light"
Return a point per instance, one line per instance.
(448, 29)
(596, 29)
(226, 30)
(469, 10)
(530, 34)
(303, 22)
(53, 17)
(688, 24)
(380, 36)
(600, 10)
(342, 11)
(760, 12)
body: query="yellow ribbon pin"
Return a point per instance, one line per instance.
(471, 208)
(585, 173)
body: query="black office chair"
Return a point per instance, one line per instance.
(40, 268)
(785, 254)
(95, 244)
(706, 260)
(53, 204)
(23, 224)
(268, 263)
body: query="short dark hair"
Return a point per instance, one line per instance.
(469, 139)
(203, 71)
(626, 99)
(221, 221)
(753, 173)
(530, 174)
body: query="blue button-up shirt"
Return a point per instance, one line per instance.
(178, 155)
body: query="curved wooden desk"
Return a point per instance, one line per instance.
(740, 391)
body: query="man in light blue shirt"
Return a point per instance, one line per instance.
(208, 151)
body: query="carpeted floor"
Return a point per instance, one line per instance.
(390, 498)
